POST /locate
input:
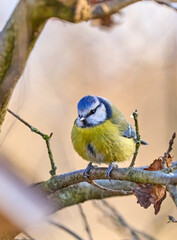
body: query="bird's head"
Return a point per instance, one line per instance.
(92, 111)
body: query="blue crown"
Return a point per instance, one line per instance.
(86, 102)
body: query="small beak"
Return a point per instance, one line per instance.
(82, 119)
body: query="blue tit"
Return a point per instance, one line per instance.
(101, 133)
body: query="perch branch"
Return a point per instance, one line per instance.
(123, 174)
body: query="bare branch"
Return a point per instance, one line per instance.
(166, 154)
(109, 189)
(82, 192)
(119, 221)
(44, 136)
(138, 138)
(171, 142)
(87, 227)
(66, 229)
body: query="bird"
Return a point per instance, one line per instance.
(101, 134)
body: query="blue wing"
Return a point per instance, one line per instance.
(124, 127)
(129, 132)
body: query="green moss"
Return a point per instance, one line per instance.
(6, 50)
(45, 9)
(73, 195)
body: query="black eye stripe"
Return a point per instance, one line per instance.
(93, 111)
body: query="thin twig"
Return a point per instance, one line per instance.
(171, 142)
(44, 136)
(138, 138)
(66, 229)
(87, 227)
(171, 219)
(167, 4)
(119, 220)
(166, 154)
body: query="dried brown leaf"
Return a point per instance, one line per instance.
(157, 193)
(157, 205)
(143, 195)
(155, 166)
(148, 194)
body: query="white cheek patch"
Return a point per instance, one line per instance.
(98, 117)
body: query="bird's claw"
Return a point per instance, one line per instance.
(110, 168)
(87, 171)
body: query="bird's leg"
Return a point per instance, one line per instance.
(87, 170)
(112, 166)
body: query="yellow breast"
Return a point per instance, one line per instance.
(102, 143)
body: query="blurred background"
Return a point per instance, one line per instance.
(134, 65)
